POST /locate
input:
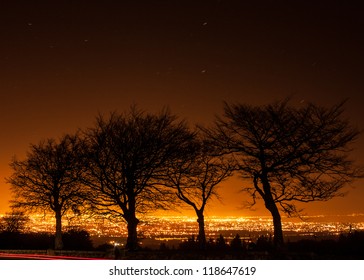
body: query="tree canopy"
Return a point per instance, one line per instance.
(196, 177)
(290, 153)
(129, 156)
(49, 179)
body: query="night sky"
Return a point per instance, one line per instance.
(63, 62)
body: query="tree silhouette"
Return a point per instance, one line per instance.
(48, 179)
(14, 222)
(290, 154)
(129, 155)
(236, 244)
(196, 177)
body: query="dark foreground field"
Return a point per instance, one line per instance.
(79, 245)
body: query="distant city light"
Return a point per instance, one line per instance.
(181, 227)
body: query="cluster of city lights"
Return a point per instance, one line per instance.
(181, 227)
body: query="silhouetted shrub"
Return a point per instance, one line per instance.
(221, 243)
(348, 246)
(163, 247)
(15, 221)
(236, 243)
(352, 243)
(26, 241)
(264, 243)
(190, 245)
(77, 239)
(105, 247)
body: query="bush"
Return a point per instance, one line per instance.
(26, 241)
(77, 239)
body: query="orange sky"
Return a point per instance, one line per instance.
(61, 64)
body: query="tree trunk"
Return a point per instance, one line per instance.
(201, 229)
(277, 223)
(131, 219)
(273, 209)
(58, 244)
(132, 240)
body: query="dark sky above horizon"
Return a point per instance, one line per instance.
(63, 62)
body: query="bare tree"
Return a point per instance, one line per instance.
(196, 177)
(14, 221)
(129, 155)
(291, 154)
(48, 179)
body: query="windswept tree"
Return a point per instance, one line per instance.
(291, 154)
(129, 155)
(48, 179)
(196, 178)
